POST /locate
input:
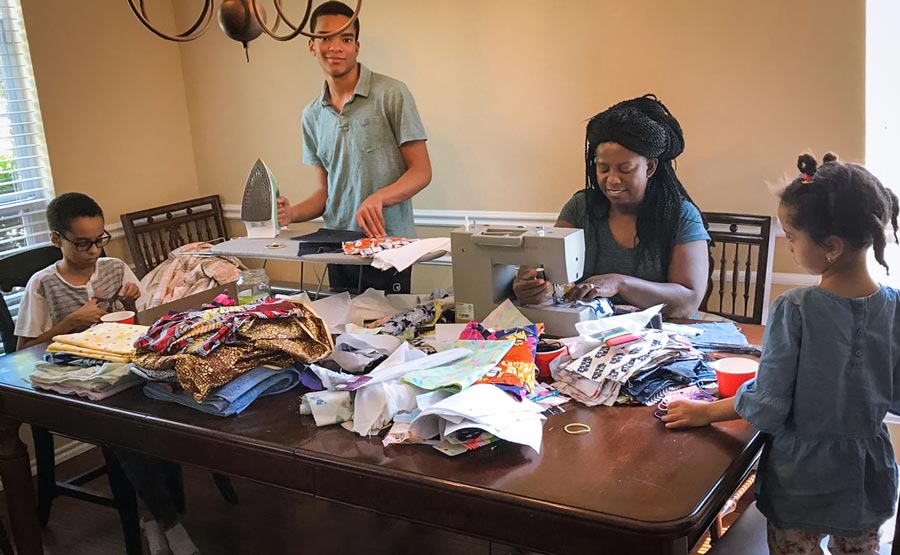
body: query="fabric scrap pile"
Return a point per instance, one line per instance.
(595, 373)
(397, 252)
(209, 348)
(367, 247)
(409, 324)
(188, 269)
(93, 363)
(516, 370)
(472, 393)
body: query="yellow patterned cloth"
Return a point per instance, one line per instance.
(108, 337)
(300, 336)
(86, 353)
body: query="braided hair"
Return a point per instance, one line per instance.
(841, 200)
(644, 126)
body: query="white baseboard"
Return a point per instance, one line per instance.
(62, 454)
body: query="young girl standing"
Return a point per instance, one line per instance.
(830, 369)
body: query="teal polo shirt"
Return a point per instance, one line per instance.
(360, 148)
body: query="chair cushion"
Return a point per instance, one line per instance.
(747, 536)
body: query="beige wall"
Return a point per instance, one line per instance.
(113, 104)
(504, 88)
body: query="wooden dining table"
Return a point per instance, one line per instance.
(627, 486)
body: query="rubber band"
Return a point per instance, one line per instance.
(275, 246)
(577, 428)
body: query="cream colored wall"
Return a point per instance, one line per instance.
(113, 104)
(505, 88)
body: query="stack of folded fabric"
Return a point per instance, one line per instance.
(93, 382)
(233, 397)
(207, 349)
(92, 363)
(596, 377)
(105, 341)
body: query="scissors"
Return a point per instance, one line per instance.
(112, 303)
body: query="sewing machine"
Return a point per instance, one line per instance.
(486, 259)
(259, 205)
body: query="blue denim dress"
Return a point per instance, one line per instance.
(828, 374)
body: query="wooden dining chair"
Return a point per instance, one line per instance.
(15, 271)
(740, 266)
(155, 232)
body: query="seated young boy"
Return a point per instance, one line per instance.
(71, 295)
(75, 292)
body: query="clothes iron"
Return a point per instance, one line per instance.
(259, 206)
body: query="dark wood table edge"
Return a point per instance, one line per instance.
(577, 520)
(325, 471)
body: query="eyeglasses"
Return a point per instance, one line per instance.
(85, 245)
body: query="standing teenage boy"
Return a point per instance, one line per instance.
(364, 136)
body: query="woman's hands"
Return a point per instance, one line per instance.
(529, 288)
(606, 285)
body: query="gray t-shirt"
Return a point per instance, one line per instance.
(604, 256)
(49, 298)
(360, 148)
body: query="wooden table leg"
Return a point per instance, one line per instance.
(15, 471)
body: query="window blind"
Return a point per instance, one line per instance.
(26, 185)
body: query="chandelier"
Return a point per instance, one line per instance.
(241, 20)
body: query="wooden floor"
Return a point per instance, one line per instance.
(267, 520)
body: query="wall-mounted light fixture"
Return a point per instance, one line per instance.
(241, 20)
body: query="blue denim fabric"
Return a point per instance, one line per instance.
(649, 386)
(719, 332)
(233, 397)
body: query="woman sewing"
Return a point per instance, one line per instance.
(645, 241)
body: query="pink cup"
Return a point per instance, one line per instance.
(120, 317)
(731, 372)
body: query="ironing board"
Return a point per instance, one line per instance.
(284, 247)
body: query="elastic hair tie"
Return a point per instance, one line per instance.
(577, 428)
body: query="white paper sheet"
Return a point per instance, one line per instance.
(407, 255)
(486, 407)
(334, 309)
(633, 321)
(446, 336)
(391, 370)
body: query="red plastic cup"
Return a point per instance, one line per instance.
(120, 317)
(542, 360)
(731, 372)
